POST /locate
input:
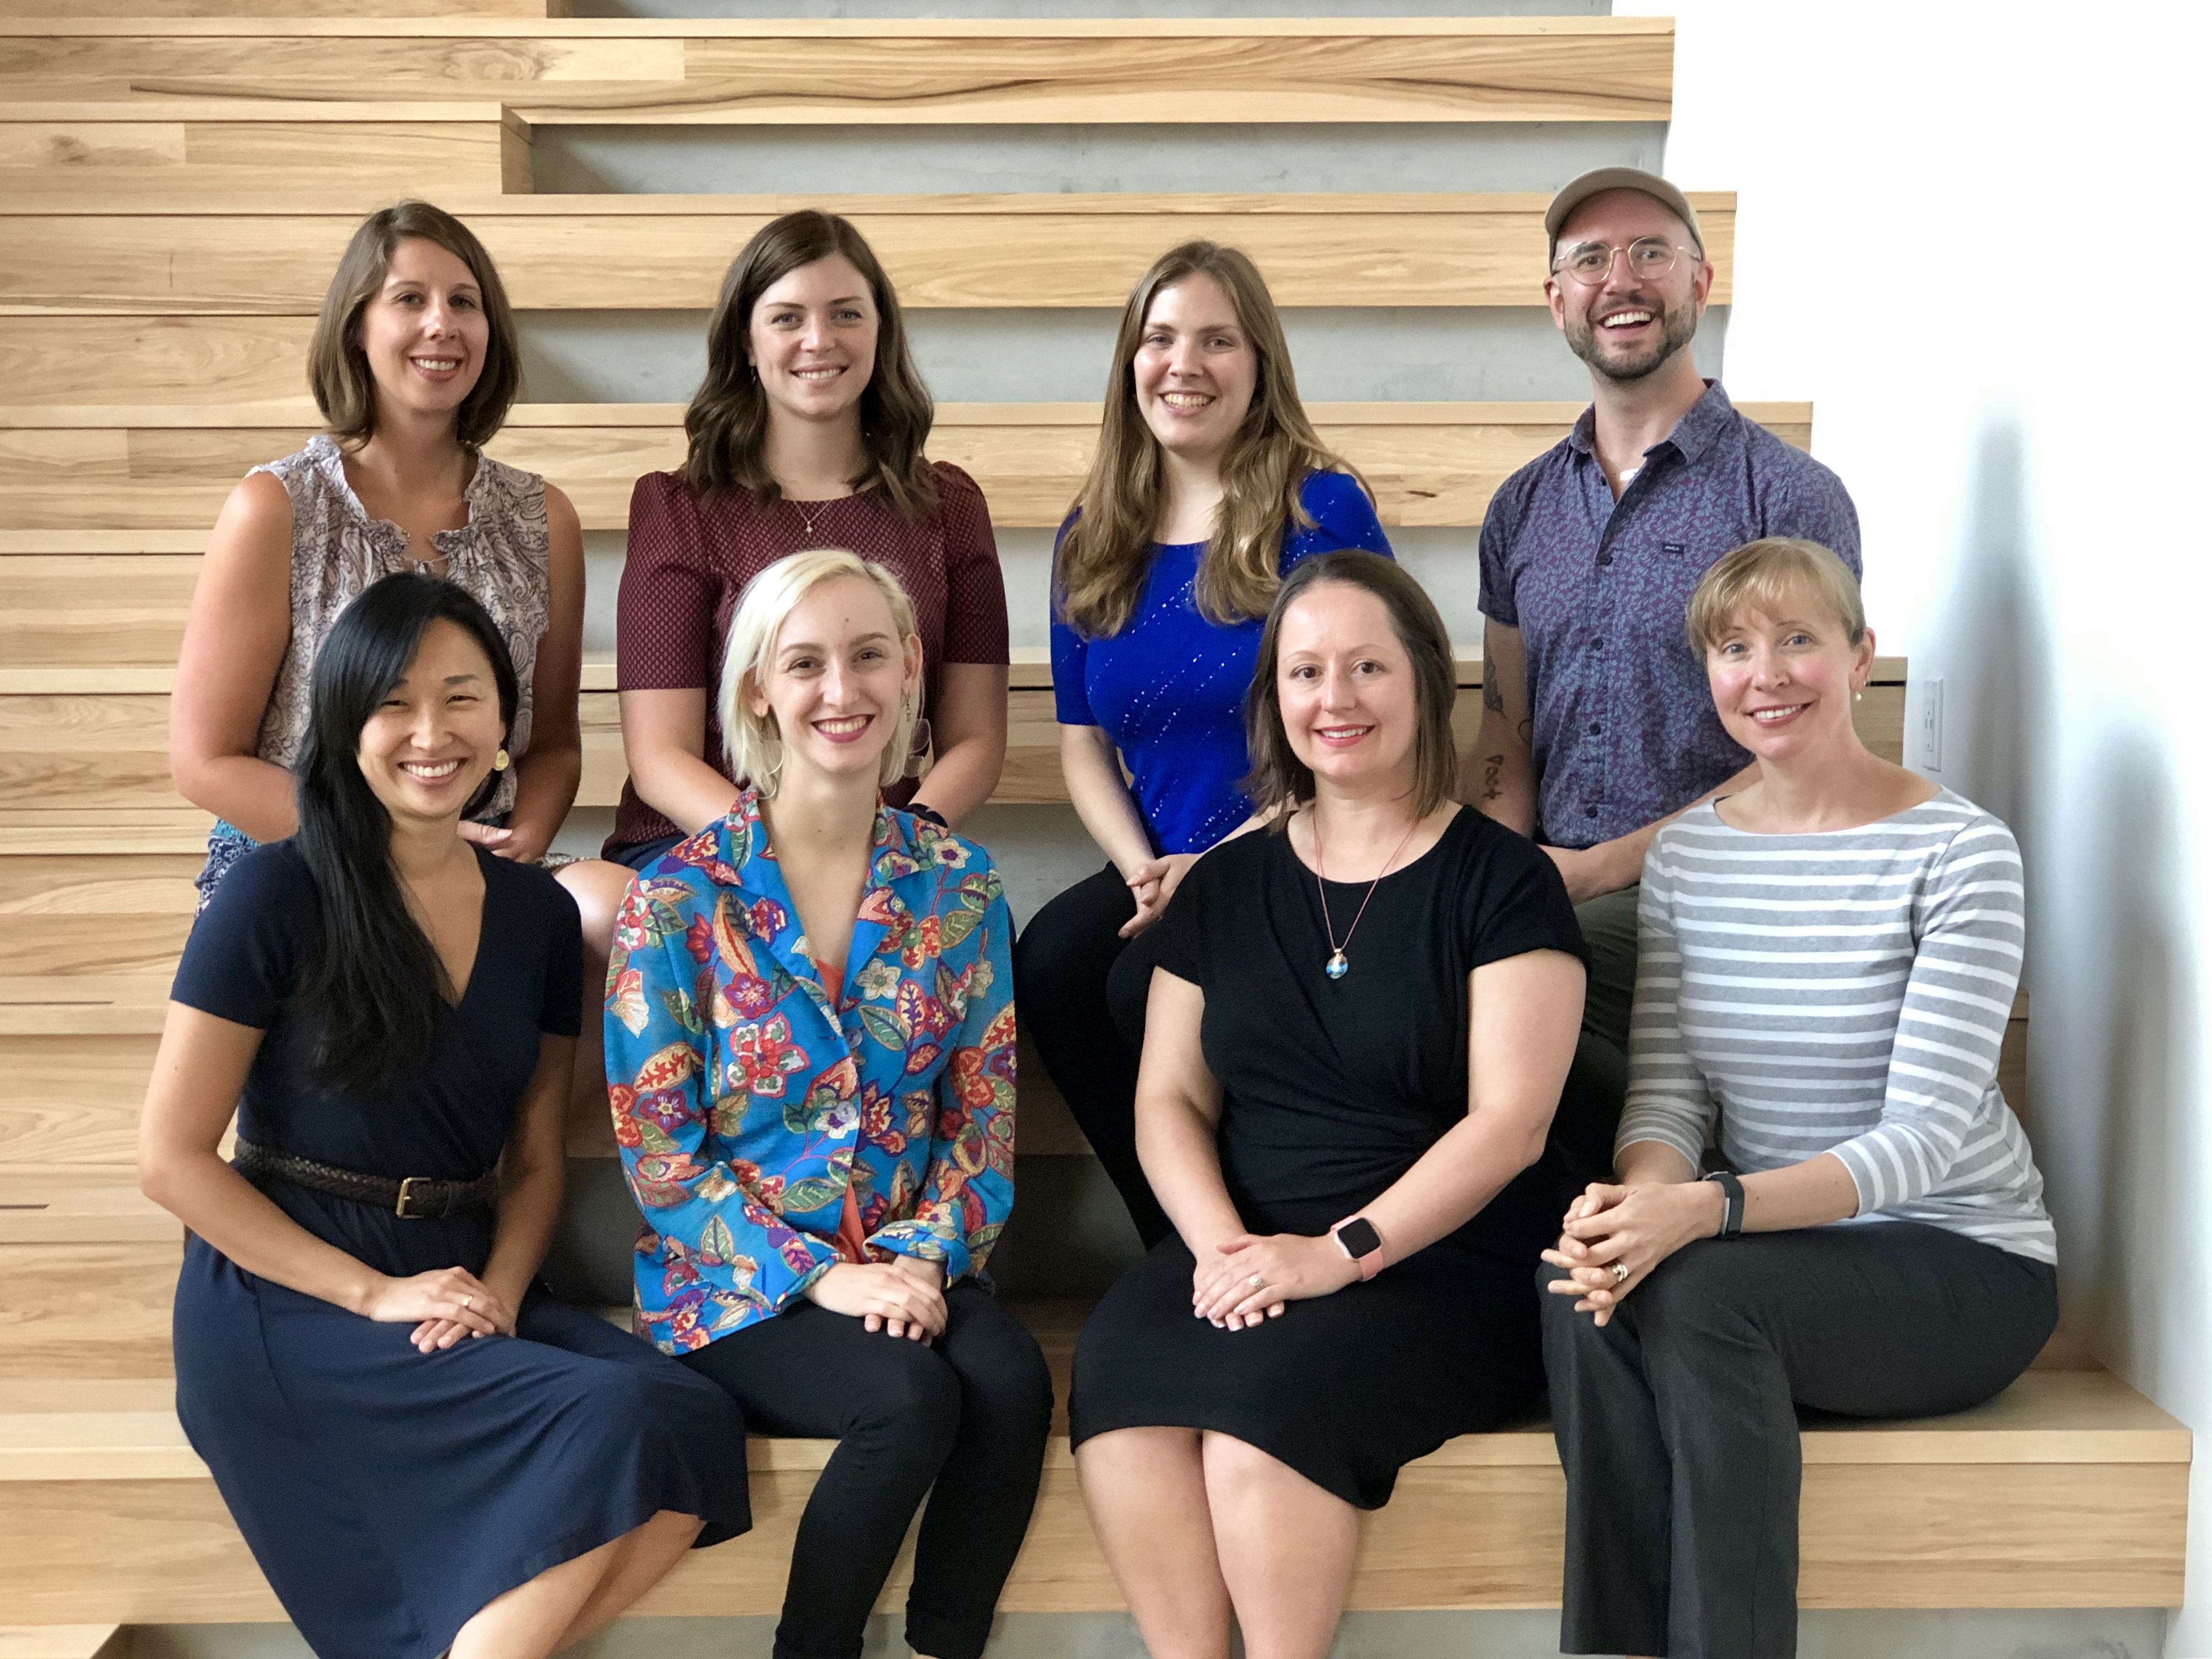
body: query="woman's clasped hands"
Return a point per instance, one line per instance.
(1251, 1279)
(1613, 1236)
(904, 1296)
(445, 1303)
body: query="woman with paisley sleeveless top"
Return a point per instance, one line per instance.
(414, 363)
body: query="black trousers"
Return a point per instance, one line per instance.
(1677, 1423)
(967, 1416)
(1081, 988)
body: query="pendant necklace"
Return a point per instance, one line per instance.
(806, 518)
(1337, 967)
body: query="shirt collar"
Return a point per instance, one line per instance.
(743, 857)
(1692, 435)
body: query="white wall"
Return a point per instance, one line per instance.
(1974, 235)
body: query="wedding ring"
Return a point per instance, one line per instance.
(468, 1301)
(1619, 1272)
(1255, 1281)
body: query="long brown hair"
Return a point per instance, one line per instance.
(1278, 776)
(1101, 565)
(338, 368)
(727, 421)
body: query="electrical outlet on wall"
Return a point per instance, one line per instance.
(1931, 726)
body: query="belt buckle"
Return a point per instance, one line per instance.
(404, 1208)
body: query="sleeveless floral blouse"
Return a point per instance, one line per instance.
(338, 550)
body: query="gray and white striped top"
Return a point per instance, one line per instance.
(1841, 993)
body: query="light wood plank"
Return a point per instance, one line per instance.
(1433, 464)
(70, 1103)
(83, 1310)
(86, 1005)
(144, 359)
(140, 9)
(1474, 1532)
(76, 167)
(64, 1641)
(98, 1206)
(670, 252)
(881, 71)
(88, 754)
(69, 610)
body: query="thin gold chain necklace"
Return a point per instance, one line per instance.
(1336, 967)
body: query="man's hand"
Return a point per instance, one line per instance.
(1592, 872)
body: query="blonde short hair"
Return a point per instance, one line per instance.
(1764, 575)
(755, 750)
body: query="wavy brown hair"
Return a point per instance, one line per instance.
(1102, 563)
(338, 368)
(727, 421)
(1278, 776)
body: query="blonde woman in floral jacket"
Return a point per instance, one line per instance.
(809, 1042)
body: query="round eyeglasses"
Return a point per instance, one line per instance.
(1591, 262)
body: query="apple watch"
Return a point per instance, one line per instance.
(1731, 1203)
(1357, 1237)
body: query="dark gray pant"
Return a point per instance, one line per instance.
(1598, 1087)
(1677, 1423)
(1608, 924)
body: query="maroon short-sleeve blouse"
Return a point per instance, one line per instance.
(689, 560)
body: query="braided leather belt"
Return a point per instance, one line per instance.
(416, 1198)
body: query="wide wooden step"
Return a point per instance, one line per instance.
(205, 241)
(78, 756)
(2069, 1490)
(874, 71)
(125, 467)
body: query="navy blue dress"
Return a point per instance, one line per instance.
(388, 1494)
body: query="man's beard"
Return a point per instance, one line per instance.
(1678, 327)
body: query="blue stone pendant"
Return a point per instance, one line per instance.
(1338, 967)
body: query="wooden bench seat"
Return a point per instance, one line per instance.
(122, 468)
(81, 754)
(879, 71)
(2069, 1490)
(142, 218)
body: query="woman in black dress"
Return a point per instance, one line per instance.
(1359, 1027)
(426, 1453)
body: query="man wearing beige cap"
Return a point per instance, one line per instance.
(1597, 725)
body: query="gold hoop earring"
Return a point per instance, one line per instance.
(501, 761)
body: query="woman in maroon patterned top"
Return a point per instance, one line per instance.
(806, 432)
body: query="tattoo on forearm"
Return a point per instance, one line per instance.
(1493, 776)
(1494, 700)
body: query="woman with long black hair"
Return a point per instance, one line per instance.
(427, 1455)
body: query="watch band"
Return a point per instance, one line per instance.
(1732, 1203)
(1364, 1244)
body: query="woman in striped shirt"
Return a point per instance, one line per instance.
(1828, 960)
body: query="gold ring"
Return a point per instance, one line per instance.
(468, 1301)
(1619, 1272)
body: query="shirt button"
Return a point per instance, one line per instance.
(1589, 811)
(1598, 644)
(1596, 727)
(1605, 557)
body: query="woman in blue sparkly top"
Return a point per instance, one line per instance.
(1209, 484)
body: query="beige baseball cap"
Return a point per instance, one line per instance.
(1603, 179)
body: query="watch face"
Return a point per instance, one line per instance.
(1360, 1238)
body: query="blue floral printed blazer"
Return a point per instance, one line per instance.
(747, 1101)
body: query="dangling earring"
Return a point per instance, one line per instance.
(501, 761)
(1858, 697)
(917, 748)
(771, 756)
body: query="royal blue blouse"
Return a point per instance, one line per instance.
(1168, 689)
